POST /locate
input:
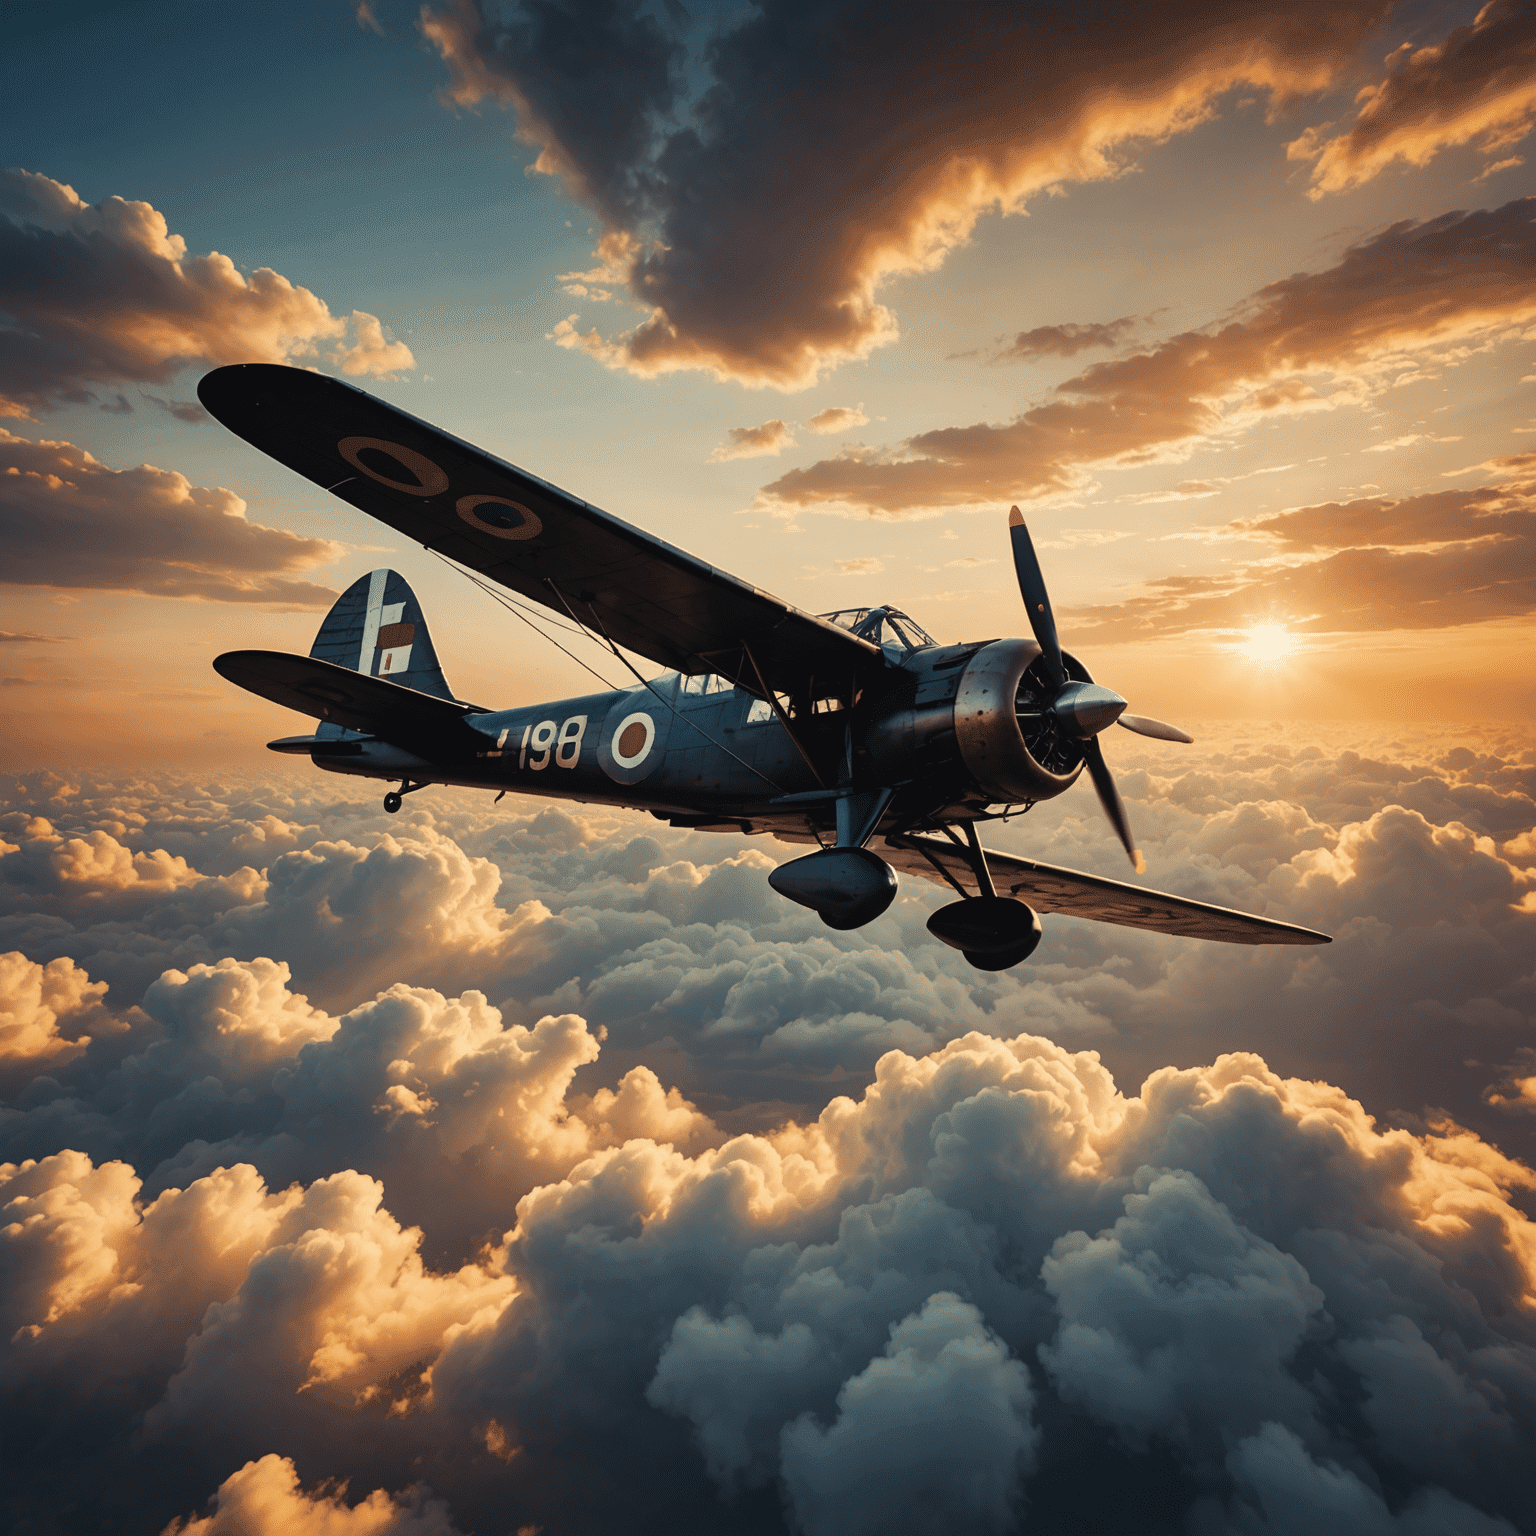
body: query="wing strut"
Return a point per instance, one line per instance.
(778, 709)
(666, 702)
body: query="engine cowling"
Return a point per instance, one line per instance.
(1014, 751)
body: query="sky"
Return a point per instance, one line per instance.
(535, 1168)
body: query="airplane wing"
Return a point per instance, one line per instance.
(401, 716)
(529, 536)
(1049, 888)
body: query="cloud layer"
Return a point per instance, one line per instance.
(875, 142)
(72, 522)
(104, 294)
(1477, 85)
(385, 1126)
(1418, 296)
(1417, 562)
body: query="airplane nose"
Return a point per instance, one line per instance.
(1085, 709)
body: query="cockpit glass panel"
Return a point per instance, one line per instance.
(881, 626)
(911, 635)
(846, 618)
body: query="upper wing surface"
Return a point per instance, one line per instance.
(1049, 888)
(526, 534)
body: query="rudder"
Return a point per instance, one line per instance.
(376, 627)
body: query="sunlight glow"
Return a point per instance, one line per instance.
(1269, 643)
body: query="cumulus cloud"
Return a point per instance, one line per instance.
(679, 135)
(1477, 84)
(264, 1497)
(47, 1011)
(1417, 292)
(992, 1243)
(923, 1266)
(136, 1317)
(672, 943)
(1065, 340)
(838, 418)
(772, 437)
(72, 522)
(105, 294)
(1414, 562)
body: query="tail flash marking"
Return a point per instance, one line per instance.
(371, 621)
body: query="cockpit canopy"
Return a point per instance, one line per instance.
(882, 626)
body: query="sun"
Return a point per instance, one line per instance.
(1268, 643)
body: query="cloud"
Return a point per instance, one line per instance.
(884, 1463)
(838, 418)
(864, 565)
(1065, 340)
(679, 136)
(188, 411)
(69, 521)
(1312, 342)
(117, 1307)
(104, 294)
(1479, 83)
(446, 1244)
(1491, 170)
(264, 1497)
(754, 442)
(1418, 562)
(47, 1011)
(672, 943)
(1009, 1230)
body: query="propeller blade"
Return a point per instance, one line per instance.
(1145, 725)
(1109, 798)
(1037, 601)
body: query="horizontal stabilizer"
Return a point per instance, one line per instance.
(1049, 888)
(340, 696)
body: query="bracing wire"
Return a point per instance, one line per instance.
(686, 719)
(516, 610)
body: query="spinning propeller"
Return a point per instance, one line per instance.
(1080, 709)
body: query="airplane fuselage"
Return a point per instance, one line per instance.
(701, 752)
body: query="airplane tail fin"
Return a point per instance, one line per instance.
(376, 627)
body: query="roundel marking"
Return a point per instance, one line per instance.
(632, 739)
(429, 479)
(500, 518)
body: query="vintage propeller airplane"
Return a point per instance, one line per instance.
(851, 730)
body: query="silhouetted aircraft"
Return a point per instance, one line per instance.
(852, 730)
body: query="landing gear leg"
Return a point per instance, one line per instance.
(993, 932)
(395, 798)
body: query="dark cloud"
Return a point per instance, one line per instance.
(1419, 562)
(72, 522)
(1413, 293)
(760, 175)
(1065, 340)
(1477, 84)
(188, 411)
(105, 294)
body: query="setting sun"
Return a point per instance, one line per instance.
(1268, 643)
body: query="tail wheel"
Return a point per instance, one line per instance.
(393, 801)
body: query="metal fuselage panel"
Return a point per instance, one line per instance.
(672, 751)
